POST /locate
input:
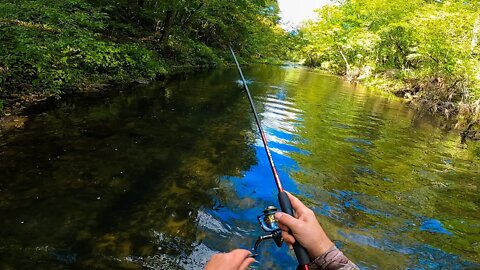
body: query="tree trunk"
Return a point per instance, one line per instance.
(191, 13)
(167, 26)
(347, 66)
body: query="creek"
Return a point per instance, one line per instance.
(163, 176)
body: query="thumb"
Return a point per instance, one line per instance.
(287, 220)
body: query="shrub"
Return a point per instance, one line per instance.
(48, 46)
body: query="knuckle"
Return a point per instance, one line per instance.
(300, 226)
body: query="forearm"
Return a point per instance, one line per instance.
(332, 259)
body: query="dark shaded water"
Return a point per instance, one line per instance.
(162, 177)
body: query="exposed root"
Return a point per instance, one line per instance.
(437, 95)
(448, 97)
(470, 134)
(469, 119)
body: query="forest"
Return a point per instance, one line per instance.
(51, 47)
(424, 51)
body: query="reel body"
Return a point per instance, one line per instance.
(269, 224)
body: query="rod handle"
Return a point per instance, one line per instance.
(300, 251)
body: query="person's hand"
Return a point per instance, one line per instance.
(234, 260)
(305, 229)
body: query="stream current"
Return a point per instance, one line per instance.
(163, 176)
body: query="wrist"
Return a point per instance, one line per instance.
(320, 249)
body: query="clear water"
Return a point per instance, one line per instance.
(163, 176)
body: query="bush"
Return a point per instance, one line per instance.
(48, 46)
(184, 50)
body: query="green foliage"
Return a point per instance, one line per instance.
(185, 50)
(52, 45)
(250, 26)
(49, 46)
(419, 39)
(427, 51)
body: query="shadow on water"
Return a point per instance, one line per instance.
(163, 176)
(92, 182)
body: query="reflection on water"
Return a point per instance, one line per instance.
(162, 177)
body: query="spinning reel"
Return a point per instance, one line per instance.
(269, 224)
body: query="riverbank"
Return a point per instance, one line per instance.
(16, 107)
(417, 50)
(52, 48)
(449, 98)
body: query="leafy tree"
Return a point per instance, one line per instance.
(49, 46)
(429, 48)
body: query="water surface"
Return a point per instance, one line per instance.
(163, 176)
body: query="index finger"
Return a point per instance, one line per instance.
(299, 207)
(246, 263)
(238, 256)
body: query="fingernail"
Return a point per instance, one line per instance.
(278, 215)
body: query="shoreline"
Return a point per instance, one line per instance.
(461, 115)
(450, 101)
(17, 108)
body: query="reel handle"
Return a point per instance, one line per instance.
(301, 253)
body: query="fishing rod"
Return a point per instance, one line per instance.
(267, 220)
